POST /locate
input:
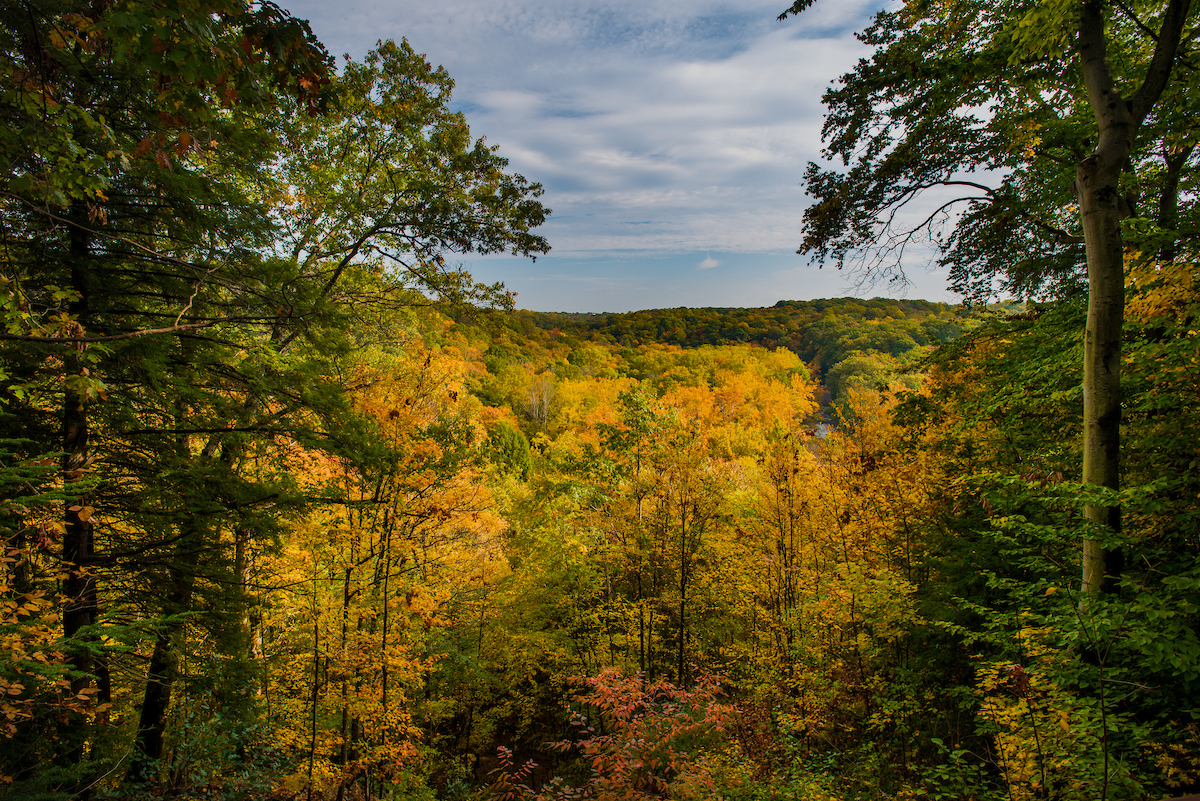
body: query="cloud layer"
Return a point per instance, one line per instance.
(660, 128)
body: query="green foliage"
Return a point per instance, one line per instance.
(907, 122)
(511, 449)
(820, 332)
(218, 753)
(183, 288)
(1082, 698)
(35, 670)
(864, 372)
(307, 533)
(395, 179)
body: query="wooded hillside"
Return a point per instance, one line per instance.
(844, 340)
(293, 509)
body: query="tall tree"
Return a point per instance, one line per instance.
(118, 118)
(394, 178)
(1070, 89)
(186, 312)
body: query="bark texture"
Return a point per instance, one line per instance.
(1098, 188)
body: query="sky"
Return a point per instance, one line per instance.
(671, 137)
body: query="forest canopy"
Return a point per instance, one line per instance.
(293, 507)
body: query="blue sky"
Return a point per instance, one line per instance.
(671, 137)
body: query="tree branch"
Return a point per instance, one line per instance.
(1159, 71)
(101, 234)
(795, 9)
(1059, 235)
(1146, 29)
(145, 332)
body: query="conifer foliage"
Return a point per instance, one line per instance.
(292, 508)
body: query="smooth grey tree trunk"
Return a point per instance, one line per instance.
(1100, 205)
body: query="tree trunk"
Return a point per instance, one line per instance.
(171, 635)
(1168, 203)
(78, 546)
(680, 675)
(1098, 190)
(1097, 182)
(164, 667)
(78, 543)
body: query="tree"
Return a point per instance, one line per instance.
(1097, 185)
(123, 123)
(190, 230)
(365, 585)
(394, 178)
(1077, 701)
(1073, 127)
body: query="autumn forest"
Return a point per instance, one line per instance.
(294, 508)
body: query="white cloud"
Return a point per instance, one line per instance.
(708, 264)
(714, 151)
(658, 127)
